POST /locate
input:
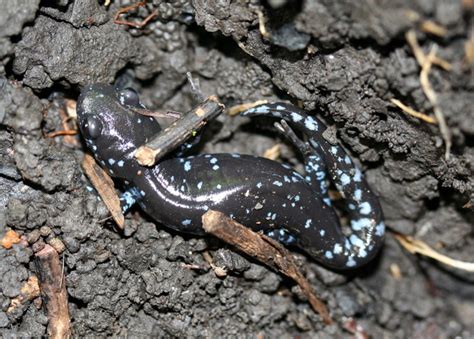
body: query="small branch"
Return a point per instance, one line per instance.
(105, 187)
(234, 110)
(178, 132)
(53, 291)
(265, 250)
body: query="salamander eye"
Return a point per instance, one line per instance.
(129, 97)
(92, 128)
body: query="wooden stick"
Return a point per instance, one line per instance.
(265, 250)
(178, 132)
(105, 187)
(53, 290)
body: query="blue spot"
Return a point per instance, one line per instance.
(356, 241)
(334, 150)
(350, 262)
(259, 184)
(380, 229)
(322, 233)
(274, 216)
(357, 194)
(351, 206)
(365, 208)
(358, 225)
(142, 193)
(187, 166)
(328, 255)
(327, 201)
(345, 180)
(186, 222)
(296, 117)
(120, 163)
(311, 124)
(297, 198)
(347, 160)
(111, 161)
(337, 249)
(320, 175)
(215, 167)
(357, 175)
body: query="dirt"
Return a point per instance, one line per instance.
(344, 60)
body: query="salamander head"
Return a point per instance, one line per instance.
(111, 127)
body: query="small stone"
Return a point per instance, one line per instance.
(57, 244)
(45, 231)
(33, 236)
(38, 246)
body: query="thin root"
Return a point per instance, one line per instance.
(127, 9)
(415, 246)
(234, 110)
(412, 112)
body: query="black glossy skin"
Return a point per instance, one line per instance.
(259, 193)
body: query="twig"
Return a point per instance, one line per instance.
(195, 87)
(265, 250)
(412, 112)
(54, 292)
(433, 99)
(234, 110)
(410, 36)
(414, 246)
(127, 9)
(178, 132)
(105, 187)
(261, 25)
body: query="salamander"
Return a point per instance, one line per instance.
(262, 194)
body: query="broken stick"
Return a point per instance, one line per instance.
(265, 250)
(178, 132)
(53, 290)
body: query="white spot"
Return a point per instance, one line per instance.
(142, 193)
(274, 216)
(311, 124)
(219, 186)
(358, 225)
(297, 198)
(120, 163)
(357, 194)
(213, 160)
(357, 175)
(327, 201)
(235, 155)
(365, 208)
(186, 222)
(215, 167)
(334, 150)
(356, 241)
(296, 117)
(139, 121)
(111, 161)
(380, 229)
(187, 166)
(347, 160)
(328, 255)
(350, 262)
(345, 179)
(199, 185)
(308, 223)
(259, 184)
(322, 232)
(337, 249)
(278, 183)
(280, 108)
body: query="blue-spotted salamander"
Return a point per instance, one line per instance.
(262, 194)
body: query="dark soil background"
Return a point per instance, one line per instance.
(342, 59)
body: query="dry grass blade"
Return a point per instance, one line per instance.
(416, 246)
(234, 110)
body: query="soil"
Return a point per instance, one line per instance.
(344, 60)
